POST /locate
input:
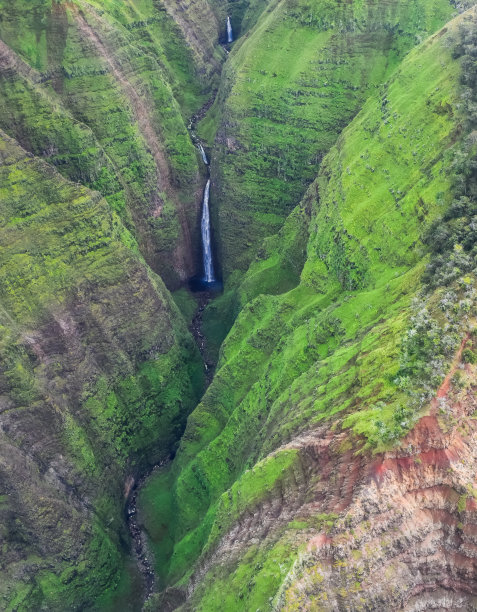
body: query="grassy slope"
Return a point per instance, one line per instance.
(98, 374)
(75, 110)
(289, 88)
(98, 369)
(328, 349)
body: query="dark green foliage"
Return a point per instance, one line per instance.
(98, 375)
(428, 347)
(469, 356)
(403, 418)
(98, 370)
(452, 239)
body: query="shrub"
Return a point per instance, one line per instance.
(469, 356)
(457, 380)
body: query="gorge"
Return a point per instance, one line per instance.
(238, 353)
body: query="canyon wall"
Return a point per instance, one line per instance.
(104, 94)
(99, 207)
(297, 485)
(289, 88)
(330, 464)
(98, 374)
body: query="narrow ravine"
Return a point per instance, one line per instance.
(139, 541)
(207, 287)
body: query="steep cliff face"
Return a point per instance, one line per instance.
(330, 463)
(289, 88)
(98, 375)
(100, 190)
(103, 93)
(282, 494)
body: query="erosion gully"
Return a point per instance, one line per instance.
(142, 555)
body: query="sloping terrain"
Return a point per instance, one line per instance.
(98, 370)
(100, 192)
(98, 374)
(289, 88)
(103, 93)
(282, 495)
(330, 463)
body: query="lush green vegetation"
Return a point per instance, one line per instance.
(98, 369)
(104, 95)
(344, 204)
(243, 14)
(98, 375)
(337, 333)
(289, 88)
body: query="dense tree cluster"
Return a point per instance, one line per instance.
(453, 238)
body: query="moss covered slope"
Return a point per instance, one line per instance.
(98, 375)
(104, 91)
(333, 353)
(289, 88)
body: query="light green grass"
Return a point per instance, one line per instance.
(289, 88)
(329, 349)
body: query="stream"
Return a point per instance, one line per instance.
(139, 547)
(208, 285)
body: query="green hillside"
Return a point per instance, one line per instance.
(355, 346)
(98, 375)
(103, 92)
(288, 90)
(303, 436)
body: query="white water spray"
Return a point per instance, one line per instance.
(209, 275)
(203, 155)
(230, 32)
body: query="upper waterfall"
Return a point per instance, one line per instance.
(202, 154)
(230, 33)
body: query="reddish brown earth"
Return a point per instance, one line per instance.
(405, 535)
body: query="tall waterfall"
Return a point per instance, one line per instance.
(230, 33)
(203, 155)
(209, 276)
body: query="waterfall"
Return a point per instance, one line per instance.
(230, 33)
(209, 276)
(203, 155)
